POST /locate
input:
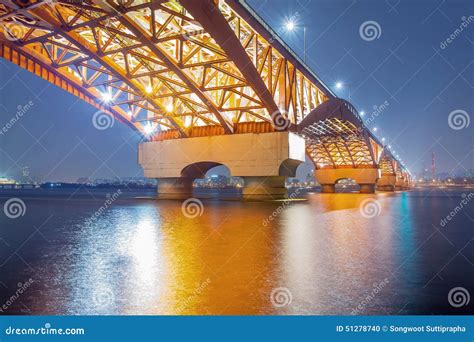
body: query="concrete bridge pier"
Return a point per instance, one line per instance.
(263, 160)
(264, 188)
(178, 188)
(400, 184)
(366, 178)
(328, 188)
(387, 182)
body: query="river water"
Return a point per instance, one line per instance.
(387, 253)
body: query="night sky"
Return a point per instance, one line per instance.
(408, 67)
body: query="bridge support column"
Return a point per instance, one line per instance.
(399, 184)
(387, 188)
(263, 160)
(366, 178)
(175, 188)
(367, 188)
(387, 182)
(264, 188)
(328, 188)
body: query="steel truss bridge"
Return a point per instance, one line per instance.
(187, 68)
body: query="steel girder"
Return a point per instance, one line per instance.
(165, 62)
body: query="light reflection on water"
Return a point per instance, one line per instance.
(146, 257)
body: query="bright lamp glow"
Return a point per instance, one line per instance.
(106, 97)
(149, 129)
(338, 85)
(169, 108)
(362, 113)
(148, 89)
(290, 25)
(374, 129)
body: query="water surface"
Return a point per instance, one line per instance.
(320, 256)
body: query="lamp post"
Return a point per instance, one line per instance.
(290, 25)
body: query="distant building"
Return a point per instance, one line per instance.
(6, 181)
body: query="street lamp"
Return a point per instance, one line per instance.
(106, 97)
(290, 25)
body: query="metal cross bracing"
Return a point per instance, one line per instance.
(337, 138)
(388, 165)
(168, 63)
(180, 69)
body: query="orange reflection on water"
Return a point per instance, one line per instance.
(149, 258)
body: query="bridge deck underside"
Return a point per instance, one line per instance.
(334, 143)
(154, 64)
(173, 69)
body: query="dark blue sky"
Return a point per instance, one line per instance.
(405, 69)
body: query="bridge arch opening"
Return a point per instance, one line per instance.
(344, 185)
(212, 179)
(200, 169)
(289, 167)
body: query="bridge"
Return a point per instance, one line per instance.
(207, 83)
